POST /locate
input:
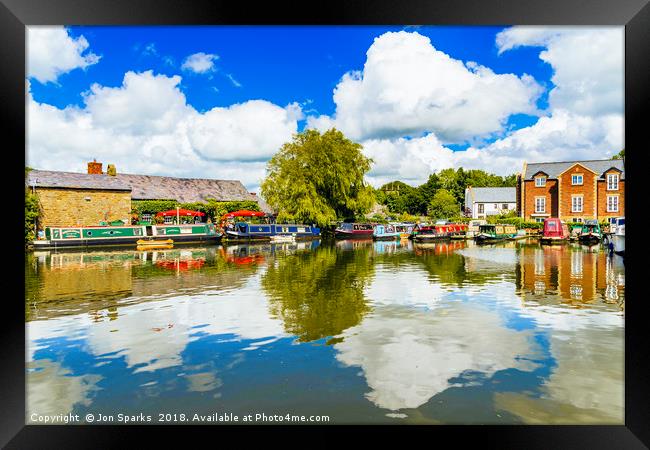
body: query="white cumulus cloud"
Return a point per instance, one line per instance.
(200, 62)
(51, 52)
(587, 64)
(408, 87)
(146, 126)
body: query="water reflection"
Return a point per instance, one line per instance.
(364, 331)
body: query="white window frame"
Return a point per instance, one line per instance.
(504, 206)
(582, 179)
(481, 208)
(612, 182)
(537, 209)
(574, 203)
(540, 181)
(611, 203)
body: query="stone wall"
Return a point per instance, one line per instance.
(82, 207)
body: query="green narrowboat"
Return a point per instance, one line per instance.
(64, 237)
(590, 232)
(494, 233)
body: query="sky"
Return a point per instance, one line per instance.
(219, 101)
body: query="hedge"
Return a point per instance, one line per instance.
(212, 208)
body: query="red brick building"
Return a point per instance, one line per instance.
(573, 190)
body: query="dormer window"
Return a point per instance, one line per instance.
(612, 182)
(540, 181)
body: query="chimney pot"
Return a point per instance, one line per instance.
(111, 170)
(95, 168)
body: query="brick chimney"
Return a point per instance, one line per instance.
(95, 168)
(111, 170)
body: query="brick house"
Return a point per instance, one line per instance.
(86, 199)
(573, 190)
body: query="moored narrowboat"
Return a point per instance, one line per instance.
(554, 232)
(494, 233)
(618, 238)
(590, 232)
(404, 229)
(244, 231)
(64, 237)
(430, 233)
(348, 230)
(385, 233)
(473, 227)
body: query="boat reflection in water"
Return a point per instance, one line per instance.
(362, 331)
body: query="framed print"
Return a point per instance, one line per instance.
(408, 215)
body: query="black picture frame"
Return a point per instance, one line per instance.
(633, 14)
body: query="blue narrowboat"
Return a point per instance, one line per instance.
(244, 231)
(385, 233)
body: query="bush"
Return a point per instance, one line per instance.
(32, 212)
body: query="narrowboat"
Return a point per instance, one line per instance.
(473, 227)
(494, 233)
(404, 229)
(244, 231)
(618, 238)
(590, 232)
(63, 237)
(385, 233)
(430, 233)
(348, 230)
(555, 232)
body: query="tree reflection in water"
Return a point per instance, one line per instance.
(319, 293)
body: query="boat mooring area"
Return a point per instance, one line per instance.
(345, 331)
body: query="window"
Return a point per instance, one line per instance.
(504, 206)
(612, 203)
(481, 208)
(576, 203)
(612, 182)
(577, 219)
(146, 217)
(496, 206)
(539, 219)
(169, 219)
(576, 179)
(540, 204)
(540, 181)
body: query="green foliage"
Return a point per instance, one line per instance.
(152, 206)
(619, 155)
(443, 205)
(32, 212)
(400, 197)
(318, 178)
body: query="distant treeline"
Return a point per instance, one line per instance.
(442, 195)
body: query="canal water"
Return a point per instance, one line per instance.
(360, 331)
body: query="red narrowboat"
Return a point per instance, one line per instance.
(354, 231)
(555, 231)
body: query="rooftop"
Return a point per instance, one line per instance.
(490, 195)
(149, 187)
(554, 169)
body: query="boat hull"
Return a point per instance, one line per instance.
(430, 237)
(589, 238)
(353, 235)
(553, 240)
(126, 241)
(619, 243)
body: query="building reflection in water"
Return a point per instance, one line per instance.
(572, 273)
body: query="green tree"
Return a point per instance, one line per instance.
(32, 212)
(318, 178)
(443, 205)
(619, 155)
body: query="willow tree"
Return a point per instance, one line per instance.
(318, 178)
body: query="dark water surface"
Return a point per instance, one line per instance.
(360, 331)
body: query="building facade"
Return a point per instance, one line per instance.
(487, 201)
(573, 191)
(95, 197)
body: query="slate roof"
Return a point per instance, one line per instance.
(490, 195)
(150, 187)
(554, 169)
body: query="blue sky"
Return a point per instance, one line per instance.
(427, 120)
